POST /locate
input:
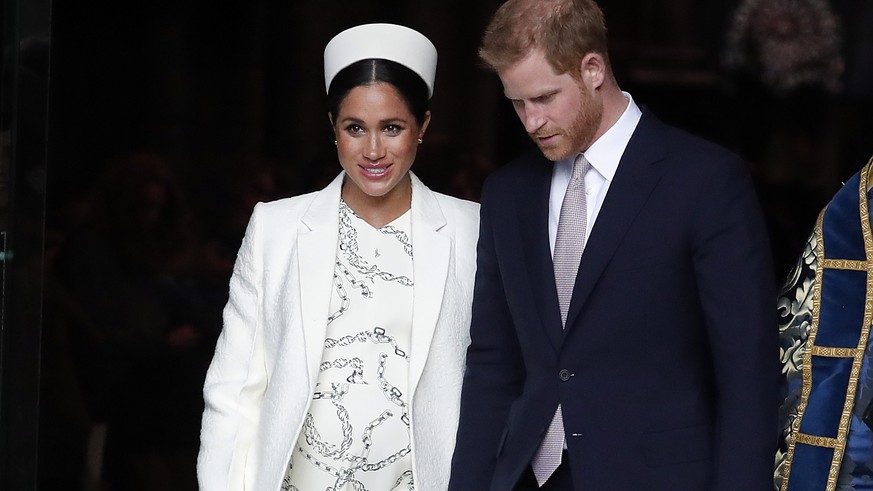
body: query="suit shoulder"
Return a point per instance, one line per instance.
(684, 156)
(284, 207)
(682, 142)
(458, 209)
(520, 170)
(694, 163)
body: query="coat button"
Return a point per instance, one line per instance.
(564, 375)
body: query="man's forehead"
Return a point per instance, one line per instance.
(532, 77)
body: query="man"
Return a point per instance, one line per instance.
(656, 366)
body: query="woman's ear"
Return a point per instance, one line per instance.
(424, 125)
(333, 127)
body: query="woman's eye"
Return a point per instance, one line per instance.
(393, 129)
(354, 129)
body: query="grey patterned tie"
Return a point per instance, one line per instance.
(568, 254)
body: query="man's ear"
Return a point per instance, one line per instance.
(593, 70)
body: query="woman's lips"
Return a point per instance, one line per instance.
(374, 172)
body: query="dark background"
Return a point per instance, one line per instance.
(167, 120)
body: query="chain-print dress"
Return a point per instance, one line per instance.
(356, 433)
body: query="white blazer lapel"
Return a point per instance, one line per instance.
(317, 242)
(431, 251)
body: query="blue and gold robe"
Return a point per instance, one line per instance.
(825, 314)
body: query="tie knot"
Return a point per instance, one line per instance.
(580, 167)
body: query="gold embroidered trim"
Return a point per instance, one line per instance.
(818, 441)
(830, 352)
(838, 443)
(849, 264)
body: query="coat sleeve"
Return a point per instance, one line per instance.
(236, 379)
(494, 367)
(732, 264)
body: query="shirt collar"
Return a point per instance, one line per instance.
(605, 153)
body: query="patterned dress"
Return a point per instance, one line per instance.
(356, 435)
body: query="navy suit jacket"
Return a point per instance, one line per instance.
(667, 371)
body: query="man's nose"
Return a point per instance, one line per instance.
(532, 118)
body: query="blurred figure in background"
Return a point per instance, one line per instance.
(132, 269)
(785, 62)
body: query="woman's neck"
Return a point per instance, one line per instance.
(379, 210)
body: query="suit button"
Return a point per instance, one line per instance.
(564, 375)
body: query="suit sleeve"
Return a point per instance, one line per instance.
(494, 366)
(734, 274)
(236, 378)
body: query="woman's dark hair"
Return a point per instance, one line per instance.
(409, 84)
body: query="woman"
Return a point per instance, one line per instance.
(342, 354)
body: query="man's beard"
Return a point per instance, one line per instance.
(579, 135)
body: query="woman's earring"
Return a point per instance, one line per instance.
(335, 143)
(420, 141)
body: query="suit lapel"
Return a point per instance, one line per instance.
(431, 250)
(634, 181)
(533, 214)
(317, 242)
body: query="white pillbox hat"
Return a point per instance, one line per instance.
(386, 41)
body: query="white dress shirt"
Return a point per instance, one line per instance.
(604, 155)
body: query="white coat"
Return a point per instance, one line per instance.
(260, 383)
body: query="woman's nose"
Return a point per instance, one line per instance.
(375, 148)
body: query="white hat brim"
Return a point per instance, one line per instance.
(399, 44)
